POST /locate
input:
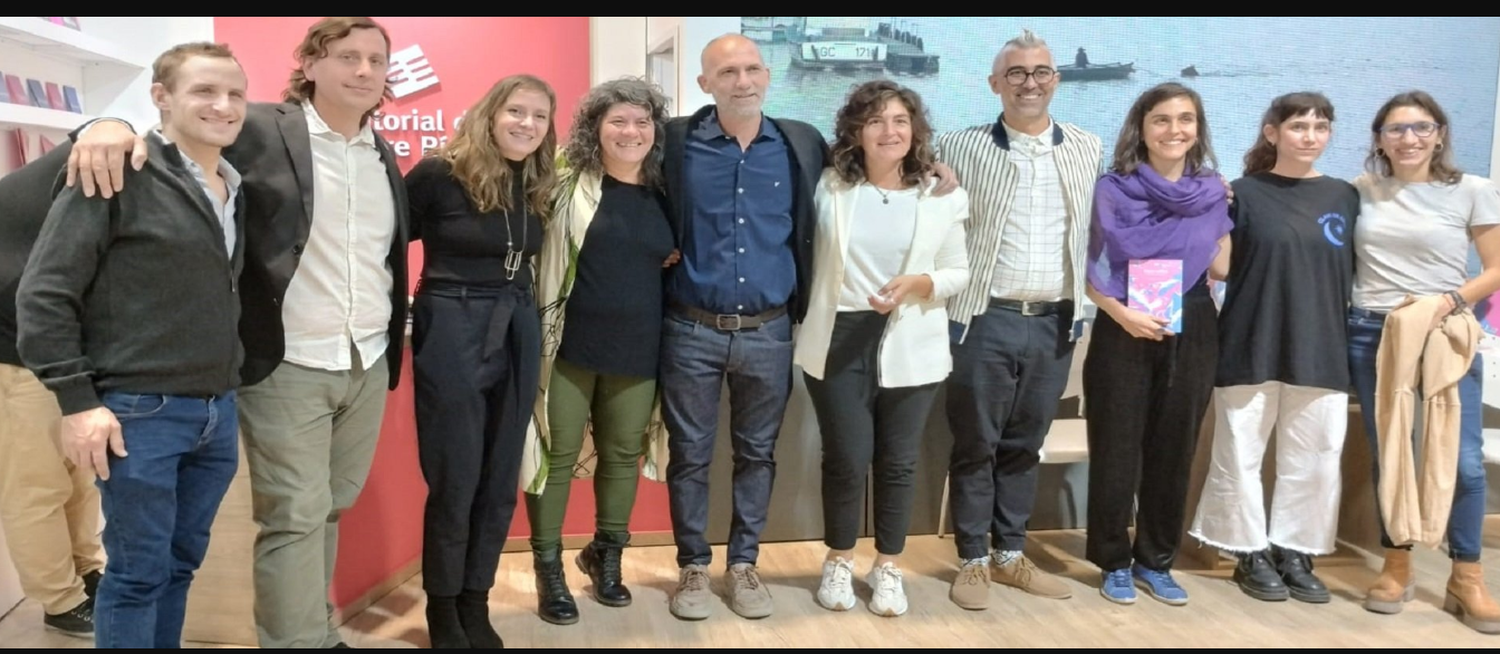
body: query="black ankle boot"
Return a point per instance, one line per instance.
(474, 615)
(1258, 578)
(1296, 570)
(554, 603)
(601, 562)
(443, 627)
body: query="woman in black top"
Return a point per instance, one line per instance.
(601, 274)
(1282, 360)
(477, 204)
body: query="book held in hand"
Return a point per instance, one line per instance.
(1155, 287)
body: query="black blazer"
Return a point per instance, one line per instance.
(808, 153)
(25, 198)
(274, 156)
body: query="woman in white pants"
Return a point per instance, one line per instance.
(1282, 365)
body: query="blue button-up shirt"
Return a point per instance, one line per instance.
(736, 243)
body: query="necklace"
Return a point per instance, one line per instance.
(513, 257)
(885, 196)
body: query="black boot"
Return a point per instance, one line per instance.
(474, 615)
(443, 627)
(601, 562)
(554, 603)
(1258, 578)
(91, 583)
(1296, 570)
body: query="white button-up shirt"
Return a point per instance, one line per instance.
(340, 297)
(1032, 263)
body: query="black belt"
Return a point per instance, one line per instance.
(728, 322)
(1032, 308)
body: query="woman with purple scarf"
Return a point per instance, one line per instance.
(1160, 216)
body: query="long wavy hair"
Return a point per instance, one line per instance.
(1261, 157)
(583, 153)
(482, 169)
(1130, 147)
(867, 101)
(315, 46)
(1442, 168)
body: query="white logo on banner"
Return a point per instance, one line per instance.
(409, 71)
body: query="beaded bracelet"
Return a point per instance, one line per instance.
(1459, 303)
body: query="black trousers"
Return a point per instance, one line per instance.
(1008, 376)
(861, 424)
(476, 357)
(1145, 401)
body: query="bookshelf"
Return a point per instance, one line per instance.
(69, 45)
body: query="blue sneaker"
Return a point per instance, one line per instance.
(1160, 585)
(1116, 587)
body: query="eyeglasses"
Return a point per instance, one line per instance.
(1017, 77)
(1394, 131)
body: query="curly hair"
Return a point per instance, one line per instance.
(315, 46)
(481, 168)
(867, 101)
(1442, 168)
(583, 153)
(1130, 147)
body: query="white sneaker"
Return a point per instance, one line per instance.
(836, 592)
(889, 597)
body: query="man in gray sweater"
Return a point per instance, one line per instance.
(128, 312)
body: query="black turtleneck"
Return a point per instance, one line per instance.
(460, 244)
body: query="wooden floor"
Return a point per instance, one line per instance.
(1218, 616)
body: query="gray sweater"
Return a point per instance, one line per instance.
(135, 293)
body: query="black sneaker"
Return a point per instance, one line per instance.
(91, 583)
(78, 622)
(1296, 570)
(1259, 579)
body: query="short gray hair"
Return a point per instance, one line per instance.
(583, 152)
(1026, 41)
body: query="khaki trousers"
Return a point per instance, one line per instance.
(49, 509)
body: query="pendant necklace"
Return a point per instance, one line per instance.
(885, 197)
(513, 257)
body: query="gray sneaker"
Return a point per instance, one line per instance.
(747, 596)
(694, 598)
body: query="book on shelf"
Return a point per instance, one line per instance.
(71, 22)
(70, 97)
(36, 93)
(55, 97)
(17, 90)
(4, 90)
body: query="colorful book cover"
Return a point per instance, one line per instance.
(1155, 287)
(55, 97)
(37, 94)
(70, 96)
(4, 92)
(17, 90)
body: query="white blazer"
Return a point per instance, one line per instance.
(914, 348)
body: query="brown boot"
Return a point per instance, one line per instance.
(1395, 586)
(1470, 600)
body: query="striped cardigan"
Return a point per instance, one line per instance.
(980, 156)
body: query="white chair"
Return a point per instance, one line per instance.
(1067, 440)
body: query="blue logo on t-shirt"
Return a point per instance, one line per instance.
(1333, 228)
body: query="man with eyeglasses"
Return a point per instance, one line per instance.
(1031, 187)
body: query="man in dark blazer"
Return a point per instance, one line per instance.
(48, 506)
(740, 187)
(320, 308)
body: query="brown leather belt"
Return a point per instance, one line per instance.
(728, 322)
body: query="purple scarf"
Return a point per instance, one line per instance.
(1144, 216)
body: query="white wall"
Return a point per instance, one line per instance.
(617, 47)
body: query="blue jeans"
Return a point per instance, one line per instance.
(159, 503)
(1466, 522)
(695, 361)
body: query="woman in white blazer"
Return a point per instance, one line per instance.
(874, 344)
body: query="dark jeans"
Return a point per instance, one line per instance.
(476, 358)
(861, 423)
(1144, 402)
(1466, 522)
(159, 504)
(1008, 376)
(696, 360)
